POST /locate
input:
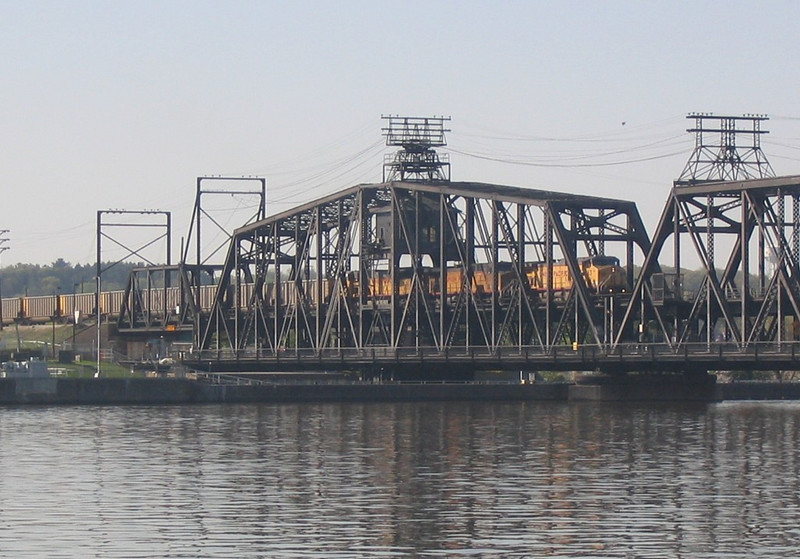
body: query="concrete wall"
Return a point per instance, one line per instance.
(756, 390)
(167, 391)
(147, 391)
(646, 388)
(97, 391)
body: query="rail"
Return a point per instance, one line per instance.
(709, 356)
(236, 380)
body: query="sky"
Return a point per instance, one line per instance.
(122, 105)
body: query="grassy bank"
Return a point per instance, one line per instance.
(38, 340)
(39, 336)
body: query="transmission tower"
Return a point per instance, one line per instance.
(716, 156)
(416, 160)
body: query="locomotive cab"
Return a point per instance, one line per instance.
(604, 274)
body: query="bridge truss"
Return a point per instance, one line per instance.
(164, 300)
(418, 271)
(412, 265)
(746, 236)
(167, 299)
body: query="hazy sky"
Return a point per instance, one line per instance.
(122, 105)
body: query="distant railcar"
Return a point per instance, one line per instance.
(12, 308)
(602, 274)
(83, 303)
(207, 295)
(483, 280)
(40, 308)
(111, 302)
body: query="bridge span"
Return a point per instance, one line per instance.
(443, 276)
(429, 275)
(690, 359)
(497, 277)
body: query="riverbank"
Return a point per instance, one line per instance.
(146, 391)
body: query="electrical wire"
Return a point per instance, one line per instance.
(785, 157)
(300, 163)
(365, 155)
(566, 165)
(781, 144)
(566, 157)
(602, 150)
(329, 179)
(603, 137)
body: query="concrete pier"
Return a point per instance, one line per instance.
(184, 391)
(645, 387)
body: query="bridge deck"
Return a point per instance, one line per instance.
(690, 358)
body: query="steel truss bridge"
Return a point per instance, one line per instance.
(746, 235)
(361, 276)
(422, 275)
(433, 276)
(364, 270)
(744, 315)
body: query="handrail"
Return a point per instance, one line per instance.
(586, 352)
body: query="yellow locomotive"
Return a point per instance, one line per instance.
(602, 274)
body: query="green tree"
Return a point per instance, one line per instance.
(33, 279)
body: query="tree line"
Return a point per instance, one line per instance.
(62, 277)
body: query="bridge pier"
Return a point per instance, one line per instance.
(645, 387)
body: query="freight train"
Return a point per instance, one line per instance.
(44, 308)
(601, 274)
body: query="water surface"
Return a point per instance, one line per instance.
(408, 479)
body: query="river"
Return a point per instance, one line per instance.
(456, 479)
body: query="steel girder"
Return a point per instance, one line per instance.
(410, 265)
(748, 249)
(159, 299)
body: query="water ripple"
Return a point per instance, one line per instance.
(399, 480)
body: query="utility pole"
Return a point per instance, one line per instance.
(56, 315)
(74, 316)
(107, 220)
(3, 248)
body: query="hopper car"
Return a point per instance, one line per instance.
(601, 274)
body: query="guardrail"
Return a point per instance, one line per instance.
(270, 380)
(704, 355)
